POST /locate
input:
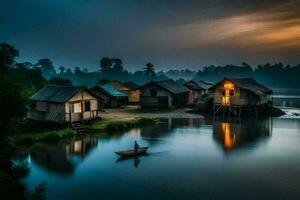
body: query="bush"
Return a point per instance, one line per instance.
(27, 141)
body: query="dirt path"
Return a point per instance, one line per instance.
(133, 111)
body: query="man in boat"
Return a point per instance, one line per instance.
(136, 147)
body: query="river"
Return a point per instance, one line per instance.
(188, 159)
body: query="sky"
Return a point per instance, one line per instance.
(171, 34)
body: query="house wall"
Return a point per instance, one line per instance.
(134, 96)
(241, 97)
(194, 94)
(146, 100)
(180, 100)
(53, 113)
(109, 101)
(81, 98)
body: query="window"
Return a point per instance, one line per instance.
(76, 108)
(153, 92)
(231, 92)
(87, 106)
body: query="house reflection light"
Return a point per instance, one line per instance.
(229, 139)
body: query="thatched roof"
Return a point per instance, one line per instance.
(56, 93)
(199, 84)
(169, 85)
(248, 84)
(131, 85)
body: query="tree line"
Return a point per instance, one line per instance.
(275, 75)
(18, 81)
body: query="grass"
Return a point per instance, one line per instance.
(120, 125)
(29, 137)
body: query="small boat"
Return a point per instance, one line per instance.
(131, 153)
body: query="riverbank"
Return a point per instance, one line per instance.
(133, 111)
(27, 137)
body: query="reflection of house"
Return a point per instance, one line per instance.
(129, 88)
(197, 88)
(163, 94)
(81, 146)
(59, 158)
(235, 93)
(63, 104)
(233, 135)
(165, 127)
(111, 95)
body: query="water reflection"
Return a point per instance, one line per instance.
(237, 134)
(64, 158)
(166, 127)
(136, 160)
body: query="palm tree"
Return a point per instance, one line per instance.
(149, 70)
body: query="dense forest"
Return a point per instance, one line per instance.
(275, 75)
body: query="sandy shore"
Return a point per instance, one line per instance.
(133, 111)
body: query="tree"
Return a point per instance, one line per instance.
(149, 70)
(117, 64)
(60, 81)
(7, 55)
(47, 67)
(105, 64)
(69, 72)
(12, 102)
(103, 81)
(77, 71)
(62, 69)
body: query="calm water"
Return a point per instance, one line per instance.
(189, 159)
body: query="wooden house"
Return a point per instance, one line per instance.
(197, 89)
(62, 104)
(236, 93)
(112, 96)
(129, 88)
(134, 92)
(163, 94)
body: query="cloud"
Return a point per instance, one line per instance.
(166, 32)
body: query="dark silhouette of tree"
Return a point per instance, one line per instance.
(60, 81)
(103, 81)
(105, 64)
(117, 65)
(47, 67)
(7, 55)
(77, 71)
(69, 72)
(17, 82)
(149, 70)
(62, 69)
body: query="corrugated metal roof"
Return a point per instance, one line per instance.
(249, 84)
(56, 93)
(172, 86)
(109, 88)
